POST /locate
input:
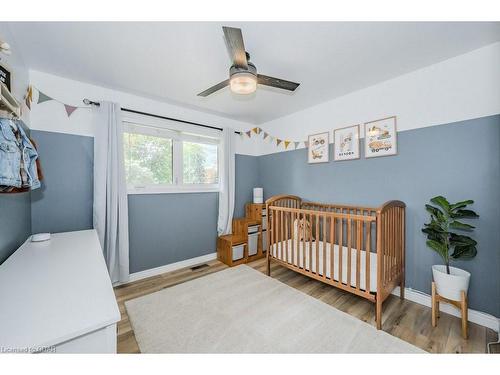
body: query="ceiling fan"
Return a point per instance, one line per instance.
(243, 77)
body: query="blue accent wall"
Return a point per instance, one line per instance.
(168, 228)
(459, 160)
(15, 222)
(64, 202)
(247, 177)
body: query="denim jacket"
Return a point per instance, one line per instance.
(13, 153)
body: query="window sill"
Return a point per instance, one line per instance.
(145, 191)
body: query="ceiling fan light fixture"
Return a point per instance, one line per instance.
(243, 83)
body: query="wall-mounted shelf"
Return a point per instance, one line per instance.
(8, 103)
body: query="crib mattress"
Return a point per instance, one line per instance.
(282, 246)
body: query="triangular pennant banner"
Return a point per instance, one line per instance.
(286, 144)
(296, 144)
(278, 141)
(249, 133)
(69, 109)
(29, 97)
(265, 135)
(255, 130)
(43, 98)
(306, 143)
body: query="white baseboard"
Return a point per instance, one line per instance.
(475, 316)
(169, 267)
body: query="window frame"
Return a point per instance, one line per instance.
(171, 130)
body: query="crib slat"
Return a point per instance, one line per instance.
(332, 246)
(358, 254)
(324, 247)
(318, 239)
(292, 220)
(310, 241)
(341, 249)
(281, 236)
(368, 255)
(303, 230)
(349, 246)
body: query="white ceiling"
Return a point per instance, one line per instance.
(175, 61)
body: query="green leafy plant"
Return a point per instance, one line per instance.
(440, 237)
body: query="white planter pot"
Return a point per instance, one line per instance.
(450, 286)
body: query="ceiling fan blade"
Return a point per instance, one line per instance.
(276, 82)
(214, 88)
(235, 46)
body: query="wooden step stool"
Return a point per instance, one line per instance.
(462, 305)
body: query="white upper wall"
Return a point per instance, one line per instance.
(461, 88)
(51, 115)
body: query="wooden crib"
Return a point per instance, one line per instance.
(357, 249)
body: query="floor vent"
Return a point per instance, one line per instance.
(199, 266)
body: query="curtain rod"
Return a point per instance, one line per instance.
(90, 102)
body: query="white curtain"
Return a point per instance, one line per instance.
(226, 195)
(110, 190)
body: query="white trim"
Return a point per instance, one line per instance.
(169, 268)
(475, 316)
(173, 190)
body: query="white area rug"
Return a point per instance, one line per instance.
(241, 310)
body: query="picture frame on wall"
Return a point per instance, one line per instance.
(346, 143)
(318, 148)
(381, 137)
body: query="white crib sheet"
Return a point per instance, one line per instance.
(277, 253)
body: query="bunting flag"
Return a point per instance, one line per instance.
(278, 141)
(296, 144)
(249, 133)
(286, 144)
(70, 109)
(256, 130)
(265, 135)
(43, 97)
(29, 97)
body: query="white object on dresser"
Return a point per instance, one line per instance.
(40, 237)
(258, 195)
(56, 296)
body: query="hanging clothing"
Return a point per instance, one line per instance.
(18, 157)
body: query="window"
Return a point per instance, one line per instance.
(159, 160)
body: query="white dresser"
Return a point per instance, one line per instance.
(56, 296)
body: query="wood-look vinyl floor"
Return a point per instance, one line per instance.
(404, 319)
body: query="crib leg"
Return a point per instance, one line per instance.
(268, 266)
(378, 314)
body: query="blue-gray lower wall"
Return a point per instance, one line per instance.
(168, 228)
(459, 160)
(247, 177)
(15, 222)
(64, 202)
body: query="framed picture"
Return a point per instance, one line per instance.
(5, 76)
(381, 137)
(319, 147)
(346, 143)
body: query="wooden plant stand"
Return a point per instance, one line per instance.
(462, 305)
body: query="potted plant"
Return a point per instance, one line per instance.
(442, 237)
